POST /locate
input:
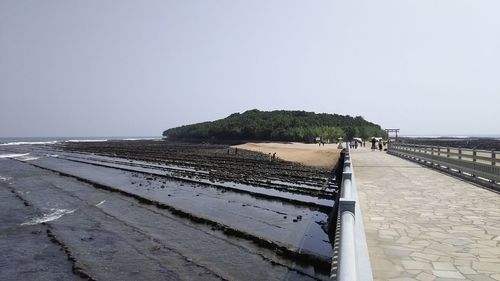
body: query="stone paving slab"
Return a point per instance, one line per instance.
(424, 225)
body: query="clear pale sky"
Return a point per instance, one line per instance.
(122, 68)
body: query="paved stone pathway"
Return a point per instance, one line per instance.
(424, 225)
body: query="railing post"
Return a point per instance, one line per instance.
(493, 158)
(432, 150)
(474, 159)
(448, 152)
(459, 153)
(439, 151)
(346, 191)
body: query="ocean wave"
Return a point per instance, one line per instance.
(83, 140)
(29, 142)
(134, 139)
(56, 140)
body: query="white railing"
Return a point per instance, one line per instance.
(481, 166)
(353, 259)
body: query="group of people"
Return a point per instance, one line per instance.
(374, 144)
(272, 157)
(354, 144)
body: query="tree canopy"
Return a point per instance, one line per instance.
(279, 125)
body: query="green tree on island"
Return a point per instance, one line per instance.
(279, 125)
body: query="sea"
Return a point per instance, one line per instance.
(54, 140)
(473, 136)
(481, 142)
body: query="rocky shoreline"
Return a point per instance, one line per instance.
(222, 162)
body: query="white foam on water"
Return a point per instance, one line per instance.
(54, 215)
(4, 178)
(101, 140)
(11, 155)
(29, 142)
(134, 139)
(21, 157)
(27, 158)
(100, 203)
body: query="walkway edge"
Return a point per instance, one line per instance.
(354, 260)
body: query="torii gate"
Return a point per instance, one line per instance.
(388, 131)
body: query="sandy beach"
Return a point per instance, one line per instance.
(306, 154)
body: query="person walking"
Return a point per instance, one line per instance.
(380, 145)
(374, 141)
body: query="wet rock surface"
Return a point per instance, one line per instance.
(129, 214)
(27, 252)
(222, 162)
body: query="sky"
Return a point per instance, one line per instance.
(136, 68)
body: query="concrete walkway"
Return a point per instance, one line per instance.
(424, 225)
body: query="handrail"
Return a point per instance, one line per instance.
(438, 146)
(354, 261)
(481, 166)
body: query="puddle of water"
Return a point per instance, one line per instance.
(315, 237)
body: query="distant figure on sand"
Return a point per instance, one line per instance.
(374, 141)
(380, 145)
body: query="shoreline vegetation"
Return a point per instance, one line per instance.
(277, 126)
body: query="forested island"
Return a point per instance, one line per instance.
(279, 125)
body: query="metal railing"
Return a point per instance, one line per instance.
(353, 259)
(480, 166)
